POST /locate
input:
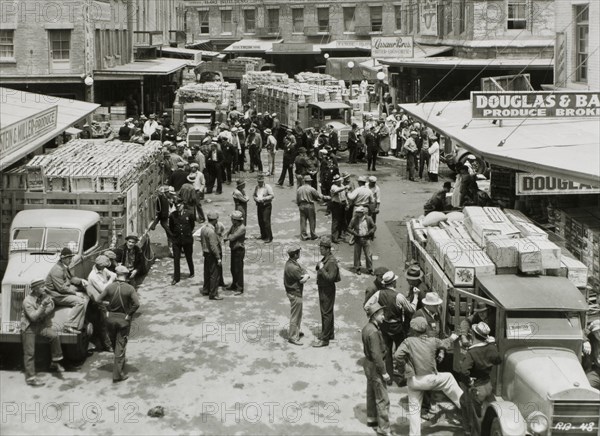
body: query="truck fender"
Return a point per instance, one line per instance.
(509, 416)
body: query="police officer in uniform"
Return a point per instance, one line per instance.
(181, 224)
(236, 236)
(328, 274)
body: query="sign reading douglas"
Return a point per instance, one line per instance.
(535, 104)
(392, 47)
(539, 184)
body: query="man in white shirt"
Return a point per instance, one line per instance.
(150, 127)
(98, 279)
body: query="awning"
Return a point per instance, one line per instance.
(285, 48)
(152, 67)
(199, 44)
(73, 131)
(194, 57)
(425, 51)
(347, 45)
(28, 121)
(457, 62)
(565, 149)
(252, 45)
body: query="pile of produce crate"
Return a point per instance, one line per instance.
(264, 78)
(252, 63)
(214, 92)
(316, 79)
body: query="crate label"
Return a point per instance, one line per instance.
(19, 244)
(464, 276)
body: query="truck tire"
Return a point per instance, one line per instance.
(495, 428)
(343, 146)
(79, 351)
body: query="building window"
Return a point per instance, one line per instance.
(60, 44)
(376, 13)
(203, 20)
(298, 20)
(323, 19)
(7, 45)
(462, 16)
(398, 17)
(517, 18)
(226, 25)
(273, 20)
(249, 20)
(349, 19)
(582, 38)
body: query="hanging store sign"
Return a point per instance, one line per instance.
(16, 135)
(392, 47)
(538, 184)
(535, 104)
(428, 17)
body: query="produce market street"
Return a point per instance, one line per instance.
(224, 367)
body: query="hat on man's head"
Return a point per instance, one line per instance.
(268, 131)
(194, 165)
(168, 143)
(345, 176)
(240, 182)
(223, 126)
(373, 309)
(102, 260)
(481, 329)
(237, 215)
(191, 177)
(372, 179)
(380, 271)
(293, 249)
(180, 164)
(389, 277)
(212, 215)
(302, 150)
(362, 179)
(471, 157)
(152, 116)
(260, 177)
(414, 132)
(419, 324)
(121, 270)
(37, 283)
(354, 125)
(66, 252)
(480, 306)
(432, 299)
(337, 178)
(110, 254)
(325, 242)
(413, 272)
(360, 209)
(307, 178)
(448, 185)
(274, 114)
(132, 236)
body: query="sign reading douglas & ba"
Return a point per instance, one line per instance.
(392, 47)
(539, 184)
(535, 104)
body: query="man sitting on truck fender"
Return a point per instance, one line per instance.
(68, 291)
(416, 358)
(35, 320)
(131, 256)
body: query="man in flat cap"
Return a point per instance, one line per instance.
(415, 357)
(121, 301)
(328, 274)
(263, 197)
(181, 224)
(130, 256)
(254, 146)
(294, 277)
(236, 235)
(36, 320)
(68, 291)
(213, 255)
(240, 199)
(378, 402)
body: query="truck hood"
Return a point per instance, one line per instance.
(23, 267)
(337, 125)
(547, 373)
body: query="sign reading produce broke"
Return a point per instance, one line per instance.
(539, 184)
(392, 47)
(535, 104)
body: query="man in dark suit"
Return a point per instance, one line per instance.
(214, 165)
(181, 224)
(179, 176)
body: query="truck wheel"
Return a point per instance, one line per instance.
(343, 146)
(495, 429)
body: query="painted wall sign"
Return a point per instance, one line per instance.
(535, 104)
(392, 47)
(538, 184)
(16, 135)
(428, 17)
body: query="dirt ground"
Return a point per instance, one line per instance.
(224, 367)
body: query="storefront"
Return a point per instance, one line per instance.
(30, 121)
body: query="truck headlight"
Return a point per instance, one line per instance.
(537, 422)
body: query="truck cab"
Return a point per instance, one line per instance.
(321, 114)
(36, 239)
(540, 386)
(199, 119)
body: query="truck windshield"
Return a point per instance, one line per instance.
(333, 114)
(27, 239)
(56, 239)
(543, 325)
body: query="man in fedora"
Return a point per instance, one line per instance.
(415, 357)
(213, 255)
(68, 291)
(414, 278)
(254, 146)
(306, 196)
(294, 277)
(240, 199)
(199, 183)
(130, 256)
(150, 128)
(289, 155)
(476, 368)
(362, 228)
(337, 206)
(36, 320)
(378, 402)
(377, 284)
(410, 151)
(430, 312)
(328, 274)
(236, 235)
(263, 197)
(481, 313)
(121, 301)
(396, 308)
(181, 224)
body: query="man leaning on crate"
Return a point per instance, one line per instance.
(36, 321)
(68, 291)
